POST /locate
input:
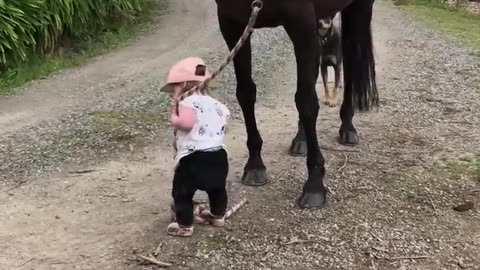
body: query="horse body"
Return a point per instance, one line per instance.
(300, 20)
(277, 12)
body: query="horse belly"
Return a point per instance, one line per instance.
(272, 14)
(328, 8)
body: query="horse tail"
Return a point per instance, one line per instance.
(358, 55)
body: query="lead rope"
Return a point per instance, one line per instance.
(257, 5)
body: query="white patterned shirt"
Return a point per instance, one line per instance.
(209, 128)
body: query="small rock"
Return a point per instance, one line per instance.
(464, 207)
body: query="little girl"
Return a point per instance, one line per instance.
(201, 160)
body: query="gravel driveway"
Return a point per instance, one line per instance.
(86, 166)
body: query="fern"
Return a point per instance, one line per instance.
(37, 26)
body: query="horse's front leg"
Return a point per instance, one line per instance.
(303, 34)
(255, 170)
(298, 147)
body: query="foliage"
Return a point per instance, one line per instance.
(457, 23)
(38, 27)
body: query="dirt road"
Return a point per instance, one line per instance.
(393, 195)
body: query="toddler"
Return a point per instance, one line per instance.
(199, 121)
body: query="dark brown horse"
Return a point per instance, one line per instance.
(300, 20)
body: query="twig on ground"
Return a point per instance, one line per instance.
(392, 244)
(25, 262)
(298, 241)
(380, 249)
(157, 250)
(373, 266)
(433, 205)
(355, 237)
(339, 150)
(15, 187)
(378, 238)
(404, 258)
(368, 188)
(372, 258)
(344, 163)
(82, 171)
(153, 260)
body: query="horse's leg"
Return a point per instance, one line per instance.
(303, 34)
(255, 170)
(360, 89)
(298, 146)
(348, 133)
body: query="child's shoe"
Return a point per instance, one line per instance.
(204, 217)
(217, 221)
(176, 230)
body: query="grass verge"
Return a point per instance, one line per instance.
(456, 23)
(118, 35)
(451, 182)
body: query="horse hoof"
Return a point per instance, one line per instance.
(348, 138)
(298, 148)
(255, 177)
(313, 200)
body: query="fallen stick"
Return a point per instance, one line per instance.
(151, 259)
(344, 163)
(355, 237)
(15, 187)
(24, 263)
(404, 258)
(339, 150)
(157, 250)
(377, 237)
(433, 205)
(298, 241)
(82, 171)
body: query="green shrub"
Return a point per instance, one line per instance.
(39, 26)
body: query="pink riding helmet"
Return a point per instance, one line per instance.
(188, 69)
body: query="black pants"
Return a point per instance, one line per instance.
(206, 171)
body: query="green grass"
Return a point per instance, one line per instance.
(40, 67)
(453, 179)
(125, 126)
(459, 24)
(465, 167)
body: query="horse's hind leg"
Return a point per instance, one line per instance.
(255, 170)
(360, 90)
(302, 32)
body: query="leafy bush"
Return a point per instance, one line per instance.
(38, 26)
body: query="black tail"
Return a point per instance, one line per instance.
(358, 57)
